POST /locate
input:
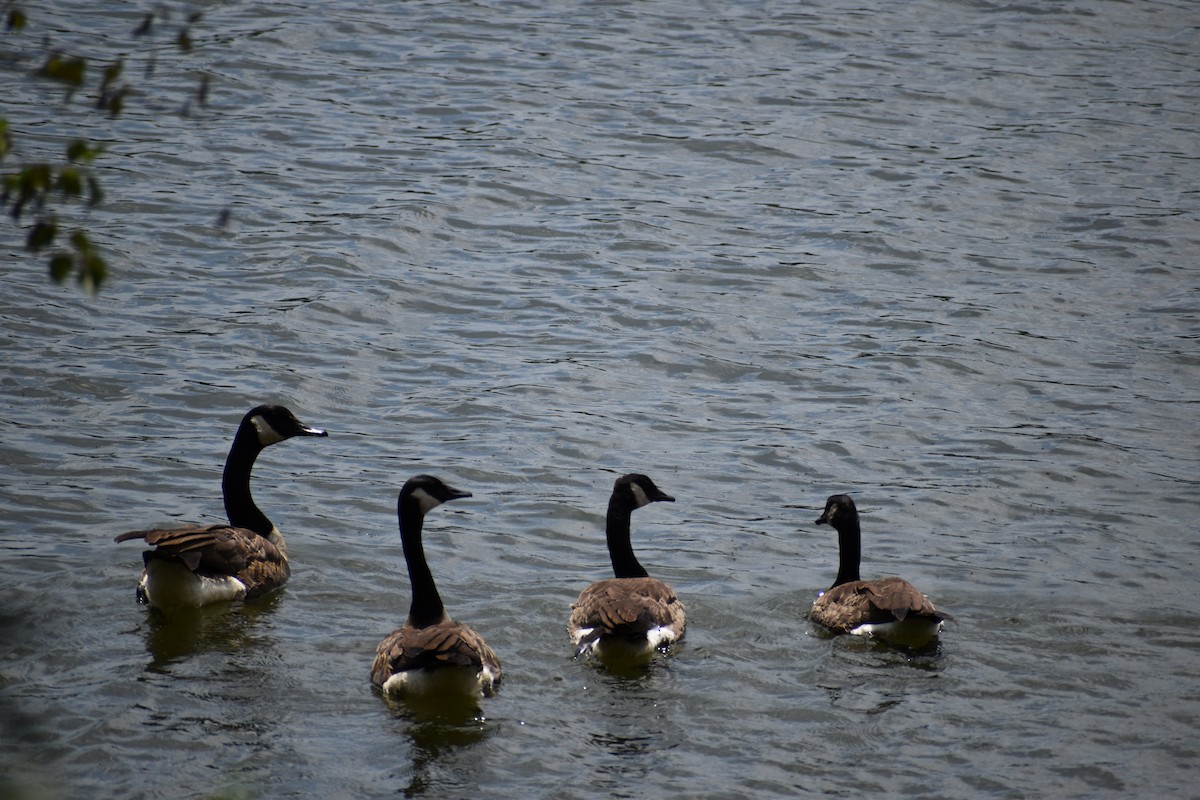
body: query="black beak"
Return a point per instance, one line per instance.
(457, 494)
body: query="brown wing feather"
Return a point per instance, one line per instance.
(849, 605)
(627, 607)
(218, 550)
(444, 644)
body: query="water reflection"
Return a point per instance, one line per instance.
(623, 746)
(441, 731)
(208, 672)
(868, 651)
(631, 707)
(634, 671)
(447, 710)
(225, 628)
(873, 676)
(925, 649)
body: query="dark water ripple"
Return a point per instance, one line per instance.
(940, 255)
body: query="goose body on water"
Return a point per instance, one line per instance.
(631, 615)
(889, 608)
(431, 655)
(195, 565)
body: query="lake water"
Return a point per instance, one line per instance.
(940, 255)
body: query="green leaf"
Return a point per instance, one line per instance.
(16, 19)
(36, 177)
(69, 182)
(93, 272)
(95, 191)
(112, 73)
(81, 243)
(31, 186)
(79, 150)
(60, 266)
(113, 102)
(41, 235)
(90, 267)
(65, 69)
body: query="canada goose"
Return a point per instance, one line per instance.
(890, 608)
(632, 615)
(431, 655)
(194, 565)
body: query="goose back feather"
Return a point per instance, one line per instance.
(448, 658)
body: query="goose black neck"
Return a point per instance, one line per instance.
(426, 608)
(849, 550)
(235, 484)
(620, 550)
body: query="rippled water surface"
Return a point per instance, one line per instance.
(940, 255)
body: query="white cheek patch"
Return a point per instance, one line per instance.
(639, 495)
(266, 434)
(425, 501)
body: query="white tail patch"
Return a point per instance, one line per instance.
(442, 682)
(620, 648)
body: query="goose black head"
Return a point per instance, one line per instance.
(429, 492)
(839, 510)
(637, 490)
(276, 424)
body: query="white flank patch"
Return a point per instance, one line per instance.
(168, 584)
(579, 634)
(912, 631)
